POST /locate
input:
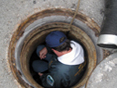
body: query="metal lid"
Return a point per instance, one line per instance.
(105, 74)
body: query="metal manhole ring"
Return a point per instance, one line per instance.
(21, 29)
(39, 34)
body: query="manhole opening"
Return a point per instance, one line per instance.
(23, 71)
(34, 57)
(37, 37)
(32, 32)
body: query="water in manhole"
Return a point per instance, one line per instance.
(33, 31)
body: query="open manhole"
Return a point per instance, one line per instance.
(33, 31)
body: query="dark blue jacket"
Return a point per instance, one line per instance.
(61, 75)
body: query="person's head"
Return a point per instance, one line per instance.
(58, 41)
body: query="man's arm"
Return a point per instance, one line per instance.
(42, 53)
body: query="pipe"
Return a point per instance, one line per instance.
(108, 34)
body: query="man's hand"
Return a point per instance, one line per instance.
(42, 53)
(40, 74)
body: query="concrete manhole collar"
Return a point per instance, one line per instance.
(29, 35)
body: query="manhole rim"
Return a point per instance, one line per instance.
(13, 42)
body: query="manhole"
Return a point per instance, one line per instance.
(32, 32)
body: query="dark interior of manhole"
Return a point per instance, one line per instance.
(35, 57)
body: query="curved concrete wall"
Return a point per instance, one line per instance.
(12, 13)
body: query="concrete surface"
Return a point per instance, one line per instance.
(105, 74)
(13, 12)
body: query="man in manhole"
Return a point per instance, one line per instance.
(61, 62)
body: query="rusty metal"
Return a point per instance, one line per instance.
(43, 30)
(106, 53)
